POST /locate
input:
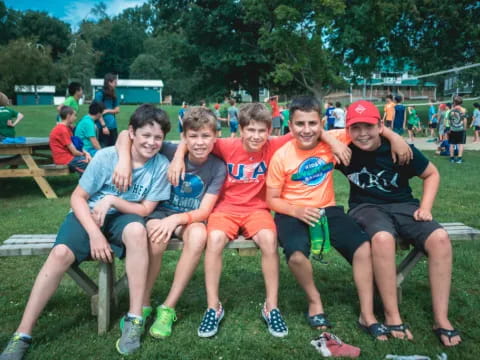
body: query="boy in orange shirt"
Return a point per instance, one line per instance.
(388, 111)
(299, 184)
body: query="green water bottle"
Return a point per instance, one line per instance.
(320, 236)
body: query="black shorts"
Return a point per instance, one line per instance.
(409, 126)
(345, 235)
(457, 137)
(388, 123)
(73, 235)
(396, 219)
(107, 140)
(477, 128)
(432, 125)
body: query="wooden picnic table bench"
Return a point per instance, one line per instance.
(104, 293)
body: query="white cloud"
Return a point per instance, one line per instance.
(76, 11)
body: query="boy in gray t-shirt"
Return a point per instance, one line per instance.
(184, 213)
(98, 211)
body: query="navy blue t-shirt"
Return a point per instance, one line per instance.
(374, 178)
(399, 116)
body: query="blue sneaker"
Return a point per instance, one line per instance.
(16, 348)
(276, 325)
(132, 331)
(211, 319)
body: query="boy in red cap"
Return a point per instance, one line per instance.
(381, 201)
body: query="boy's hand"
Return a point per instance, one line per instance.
(422, 215)
(100, 248)
(308, 215)
(10, 123)
(341, 152)
(176, 171)
(122, 175)
(105, 131)
(101, 209)
(401, 151)
(162, 230)
(87, 155)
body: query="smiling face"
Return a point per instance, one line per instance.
(199, 143)
(306, 127)
(254, 135)
(146, 141)
(366, 136)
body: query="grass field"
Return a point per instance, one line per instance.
(66, 330)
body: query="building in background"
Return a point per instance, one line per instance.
(133, 91)
(34, 95)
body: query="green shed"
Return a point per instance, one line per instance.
(28, 95)
(134, 91)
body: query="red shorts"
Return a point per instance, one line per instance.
(247, 225)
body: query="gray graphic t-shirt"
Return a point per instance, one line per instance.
(199, 180)
(149, 182)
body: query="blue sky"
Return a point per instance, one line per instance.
(73, 11)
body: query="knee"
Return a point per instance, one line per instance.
(383, 242)
(438, 243)
(135, 234)
(157, 249)
(296, 258)
(195, 238)
(62, 255)
(216, 241)
(363, 252)
(267, 241)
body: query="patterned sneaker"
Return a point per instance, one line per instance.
(276, 325)
(129, 342)
(146, 313)
(211, 319)
(162, 327)
(16, 348)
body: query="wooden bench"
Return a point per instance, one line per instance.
(456, 231)
(104, 293)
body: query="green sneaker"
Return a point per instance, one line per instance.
(146, 313)
(16, 348)
(162, 327)
(132, 331)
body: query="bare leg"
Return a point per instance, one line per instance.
(439, 251)
(301, 268)
(383, 254)
(46, 283)
(267, 242)
(194, 239)
(213, 266)
(363, 278)
(136, 263)
(460, 150)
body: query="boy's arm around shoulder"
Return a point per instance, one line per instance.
(122, 175)
(431, 183)
(338, 142)
(401, 151)
(99, 246)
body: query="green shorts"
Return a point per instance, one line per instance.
(73, 235)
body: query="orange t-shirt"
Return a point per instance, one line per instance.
(389, 109)
(305, 176)
(244, 188)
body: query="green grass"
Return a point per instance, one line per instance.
(66, 330)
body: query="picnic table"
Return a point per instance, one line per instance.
(30, 154)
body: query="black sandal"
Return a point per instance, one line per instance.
(400, 328)
(448, 333)
(319, 320)
(375, 329)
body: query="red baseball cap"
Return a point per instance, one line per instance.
(362, 111)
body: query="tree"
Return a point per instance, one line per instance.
(8, 24)
(48, 30)
(25, 62)
(295, 35)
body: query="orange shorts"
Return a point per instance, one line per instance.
(247, 225)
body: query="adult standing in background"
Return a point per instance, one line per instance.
(107, 124)
(339, 115)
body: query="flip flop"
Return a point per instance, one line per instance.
(375, 329)
(448, 333)
(318, 320)
(400, 328)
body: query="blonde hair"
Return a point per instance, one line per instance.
(254, 112)
(3, 99)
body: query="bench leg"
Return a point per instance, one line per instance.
(405, 267)
(105, 290)
(83, 280)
